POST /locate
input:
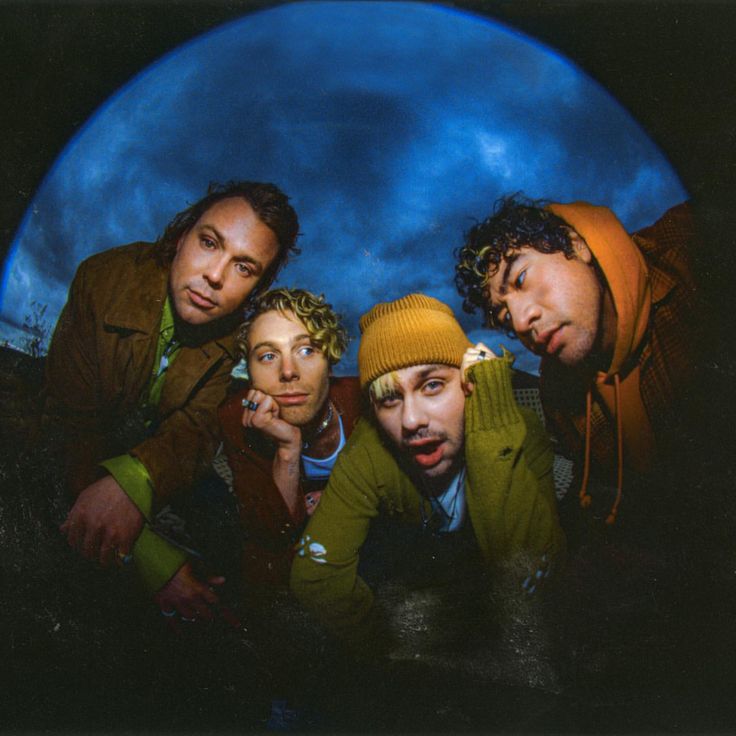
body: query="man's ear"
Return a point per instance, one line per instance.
(580, 247)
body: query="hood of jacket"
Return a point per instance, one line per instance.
(627, 279)
(625, 271)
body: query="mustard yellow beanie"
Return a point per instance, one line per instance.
(413, 330)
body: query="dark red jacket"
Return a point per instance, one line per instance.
(270, 530)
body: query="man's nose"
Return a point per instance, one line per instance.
(214, 271)
(524, 314)
(289, 369)
(413, 415)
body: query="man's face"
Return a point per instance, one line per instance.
(424, 418)
(283, 362)
(220, 261)
(551, 302)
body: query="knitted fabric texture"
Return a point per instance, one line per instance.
(413, 330)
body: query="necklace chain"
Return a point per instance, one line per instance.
(322, 427)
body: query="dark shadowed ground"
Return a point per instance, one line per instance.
(637, 637)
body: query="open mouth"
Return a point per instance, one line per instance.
(427, 453)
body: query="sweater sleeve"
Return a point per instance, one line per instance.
(324, 574)
(156, 560)
(133, 478)
(510, 490)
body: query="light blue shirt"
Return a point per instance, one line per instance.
(320, 468)
(451, 505)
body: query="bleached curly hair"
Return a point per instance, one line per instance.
(322, 323)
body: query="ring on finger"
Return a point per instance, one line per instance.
(188, 620)
(248, 404)
(482, 355)
(168, 614)
(123, 558)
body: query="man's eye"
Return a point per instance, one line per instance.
(519, 281)
(208, 242)
(433, 386)
(243, 269)
(306, 351)
(389, 401)
(266, 357)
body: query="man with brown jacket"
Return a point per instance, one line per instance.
(140, 359)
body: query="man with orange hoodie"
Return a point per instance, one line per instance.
(613, 318)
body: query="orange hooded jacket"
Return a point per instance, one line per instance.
(618, 414)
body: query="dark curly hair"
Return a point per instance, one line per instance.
(268, 202)
(516, 222)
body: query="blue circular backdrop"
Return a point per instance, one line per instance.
(393, 127)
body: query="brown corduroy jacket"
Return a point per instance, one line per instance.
(100, 362)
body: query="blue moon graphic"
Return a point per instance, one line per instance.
(392, 126)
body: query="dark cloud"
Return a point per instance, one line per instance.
(392, 126)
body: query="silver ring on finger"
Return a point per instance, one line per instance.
(188, 620)
(248, 404)
(482, 355)
(168, 614)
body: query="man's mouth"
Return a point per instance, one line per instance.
(200, 300)
(549, 341)
(291, 399)
(427, 452)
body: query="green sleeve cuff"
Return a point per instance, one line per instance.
(492, 404)
(156, 560)
(133, 478)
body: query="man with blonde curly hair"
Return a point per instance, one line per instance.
(284, 431)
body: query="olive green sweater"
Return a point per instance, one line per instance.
(509, 492)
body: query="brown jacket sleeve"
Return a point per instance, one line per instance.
(71, 409)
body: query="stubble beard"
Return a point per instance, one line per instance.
(194, 334)
(305, 417)
(588, 354)
(436, 480)
(299, 416)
